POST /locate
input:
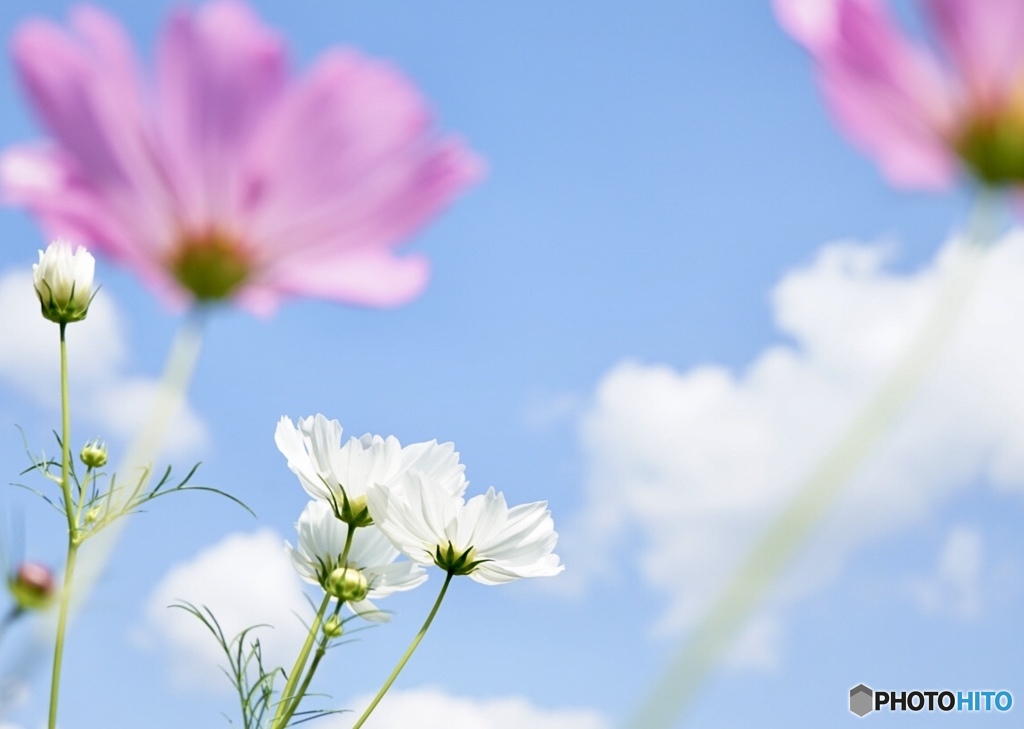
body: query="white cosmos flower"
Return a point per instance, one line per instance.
(482, 537)
(341, 474)
(322, 543)
(63, 281)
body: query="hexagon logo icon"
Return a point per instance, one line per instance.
(861, 700)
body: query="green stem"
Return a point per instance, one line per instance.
(279, 721)
(288, 703)
(62, 623)
(65, 437)
(83, 494)
(321, 650)
(73, 540)
(408, 654)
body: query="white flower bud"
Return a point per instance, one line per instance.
(63, 282)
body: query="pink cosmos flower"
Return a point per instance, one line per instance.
(923, 114)
(225, 179)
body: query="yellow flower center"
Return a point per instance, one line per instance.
(211, 264)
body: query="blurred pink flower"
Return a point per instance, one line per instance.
(923, 114)
(225, 179)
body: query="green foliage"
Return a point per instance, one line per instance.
(253, 683)
(245, 670)
(101, 507)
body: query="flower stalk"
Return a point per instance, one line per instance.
(73, 533)
(289, 703)
(408, 653)
(321, 651)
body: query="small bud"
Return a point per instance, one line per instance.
(31, 586)
(94, 454)
(63, 282)
(92, 515)
(333, 627)
(348, 584)
(355, 511)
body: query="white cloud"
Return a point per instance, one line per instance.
(246, 580)
(699, 462)
(431, 708)
(115, 401)
(955, 587)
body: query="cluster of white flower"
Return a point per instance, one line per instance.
(374, 499)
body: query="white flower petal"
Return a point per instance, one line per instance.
(294, 446)
(321, 545)
(422, 519)
(438, 463)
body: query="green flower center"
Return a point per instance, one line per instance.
(211, 265)
(992, 148)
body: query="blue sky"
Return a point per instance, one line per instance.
(642, 316)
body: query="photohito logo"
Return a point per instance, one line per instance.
(864, 700)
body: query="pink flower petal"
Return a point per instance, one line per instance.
(349, 159)
(44, 181)
(812, 22)
(890, 96)
(219, 72)
(365, 278)
(984, 40)
(84, 88)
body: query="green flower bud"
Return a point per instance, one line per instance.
(94, 454)
(348, 584)
(333, 627)
(31, 586)
(92, 515)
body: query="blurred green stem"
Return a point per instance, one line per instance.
(773, 552)
(145, 446)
